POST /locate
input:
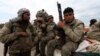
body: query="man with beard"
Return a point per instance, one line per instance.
(19, 34)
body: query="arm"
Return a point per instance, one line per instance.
(75, 34)
(6, 35)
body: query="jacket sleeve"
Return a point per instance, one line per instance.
(5, 33)
(75, 34)
(94, 32)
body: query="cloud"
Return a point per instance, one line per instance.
(84, 9)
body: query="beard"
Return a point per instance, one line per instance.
(25, 21)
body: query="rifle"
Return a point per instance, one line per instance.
(61, 33)
(5, 49)
(59, 11)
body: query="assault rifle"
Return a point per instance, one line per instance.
(61, 33)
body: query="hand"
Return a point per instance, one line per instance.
(57, 37)
(25, 34)
(92, 41)
(61, 24)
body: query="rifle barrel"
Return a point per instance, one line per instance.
(59, 11)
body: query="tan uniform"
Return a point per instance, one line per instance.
(40, 29)
(18, 45)
(40, 26)
(73, 35)
(94, 32)
(51, 33)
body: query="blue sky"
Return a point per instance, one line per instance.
(84, 9)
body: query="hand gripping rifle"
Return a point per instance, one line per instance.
(60, 30)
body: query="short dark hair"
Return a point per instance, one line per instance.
(67, 10)
(92, 21)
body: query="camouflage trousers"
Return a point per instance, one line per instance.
(21, 54)
(66, 47)
(38, 46)
(43, 44)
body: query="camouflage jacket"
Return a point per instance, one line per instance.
(74, 32)
(40, 30)
(94, 32)
(51, 30)
(17, 43)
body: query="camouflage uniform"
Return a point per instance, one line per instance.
(73, 35)
(40, 33)
(94, 32)
(18, 45)
(51, 33)
(40, 28)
